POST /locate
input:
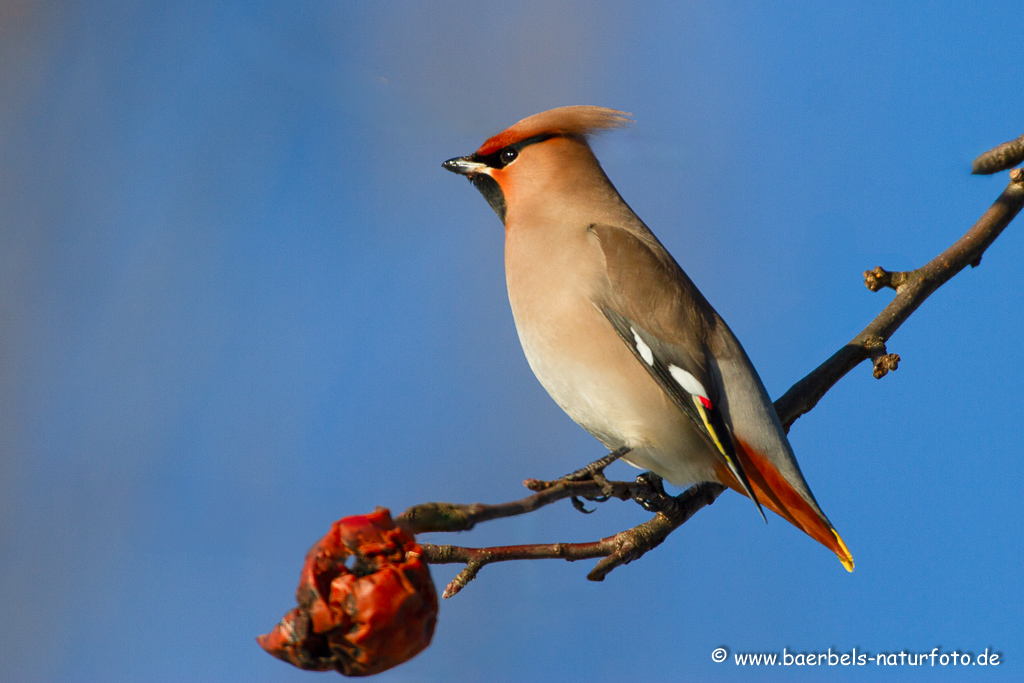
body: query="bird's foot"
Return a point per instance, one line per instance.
(594, 472)
(650, 493)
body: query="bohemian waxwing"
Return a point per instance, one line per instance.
(616, 331)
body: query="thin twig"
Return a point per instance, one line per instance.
(1000, 157)
(430, 517)
(911, 291)
(617, 550)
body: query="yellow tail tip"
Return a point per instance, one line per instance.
(845, 557)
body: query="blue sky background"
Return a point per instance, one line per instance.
(239, 299)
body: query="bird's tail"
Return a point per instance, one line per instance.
(776, 494)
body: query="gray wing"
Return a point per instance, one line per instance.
(666, 323)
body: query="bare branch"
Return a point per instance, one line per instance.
(430, 517)
(912, 288)
(1000, 158)
(617, 550)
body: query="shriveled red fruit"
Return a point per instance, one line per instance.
(366, 601)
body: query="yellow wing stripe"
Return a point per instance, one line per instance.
(734, 466)
(711, 430)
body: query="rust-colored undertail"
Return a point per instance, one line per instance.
(775, 493)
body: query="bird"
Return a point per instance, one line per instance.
(617, 333)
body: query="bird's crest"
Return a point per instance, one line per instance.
(574, 120)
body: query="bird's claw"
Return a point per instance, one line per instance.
(650, 494)
(594, 472)
(578, 504)
(607, 491)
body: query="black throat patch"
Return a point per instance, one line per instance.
(491, 191)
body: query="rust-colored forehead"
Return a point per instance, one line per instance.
(575, 120)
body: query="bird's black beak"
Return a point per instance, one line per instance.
(479, 174)
(466, 166)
